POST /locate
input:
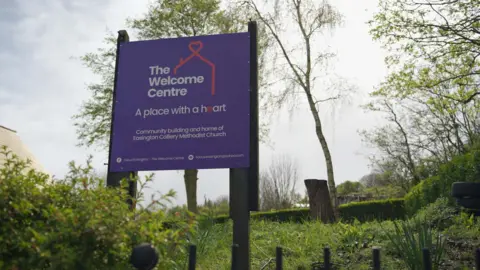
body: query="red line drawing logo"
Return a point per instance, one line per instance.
(195, 47)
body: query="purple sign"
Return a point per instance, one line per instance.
(182, 103)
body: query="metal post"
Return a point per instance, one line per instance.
(477, 259)
(326, 258)
(235, 257)
(253, 173)
(427, 262)
(114, 178)
(240, 216)
(192, 257)
(244, 181)
(279, 259)
(376, 259)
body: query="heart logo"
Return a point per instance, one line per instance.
(195, 46)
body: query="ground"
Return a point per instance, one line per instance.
(351, 244)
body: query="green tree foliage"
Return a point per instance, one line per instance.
(419, 136)
(434, 43)
(78, 223)
(220, 206)
(382, 184)
(373, 179)
(462, 168)
(430, 97)
(164, 19)
(349, 187)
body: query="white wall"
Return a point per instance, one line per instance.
(11, 139)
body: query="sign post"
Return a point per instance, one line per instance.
(114, 178)
(190, 103)
(244, 181)
(254, 169)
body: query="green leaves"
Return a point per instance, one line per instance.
(174, 18)
(409, 238)
(433, 86)
(76, 222)
(440, 37)
(93, 120)
(349, 188)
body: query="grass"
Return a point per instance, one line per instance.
(302, 244)
(351, 244)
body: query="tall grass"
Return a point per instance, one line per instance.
(409, 238)
(401, 242)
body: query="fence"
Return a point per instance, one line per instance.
(327, 262)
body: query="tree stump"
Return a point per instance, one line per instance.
(319, 200)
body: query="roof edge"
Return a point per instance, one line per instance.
(4, 127)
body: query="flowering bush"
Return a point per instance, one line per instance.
(77, 222)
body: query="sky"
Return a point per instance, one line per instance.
(43, 84)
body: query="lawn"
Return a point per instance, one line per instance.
(351, 244)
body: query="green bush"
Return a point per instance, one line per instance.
(287, 215)
(297, 215)
(373, 210)
(77, 223)
(439, 214)
(221, 219)
(362, 211)
(464, 168)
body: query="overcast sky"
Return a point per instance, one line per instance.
(42, 85)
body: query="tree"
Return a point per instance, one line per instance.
(278, 184)
(318, 200)
(164, 19)
(421, 133)
(299, 70)
(383, 182)
(431, 96)
(219, 206)
(434, 47)
(349, 187)
(371, 180)
(394, 142)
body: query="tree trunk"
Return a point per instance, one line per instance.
(326, 154)
(190, 177)
(319, 200)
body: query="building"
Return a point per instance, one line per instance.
(10, 138)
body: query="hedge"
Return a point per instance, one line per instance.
(464, 168)
(288, 215)
(389, 209)
(363, 211)
(297, 215)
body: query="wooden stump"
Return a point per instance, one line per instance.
(319, 200)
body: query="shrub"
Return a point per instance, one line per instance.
(354, 237)
(287, 215)
(409, 238)
(76, 223)
(464, 168)
(373, 210)
(297, 215)
(362, 211)
(221, 219)
(439, 214)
